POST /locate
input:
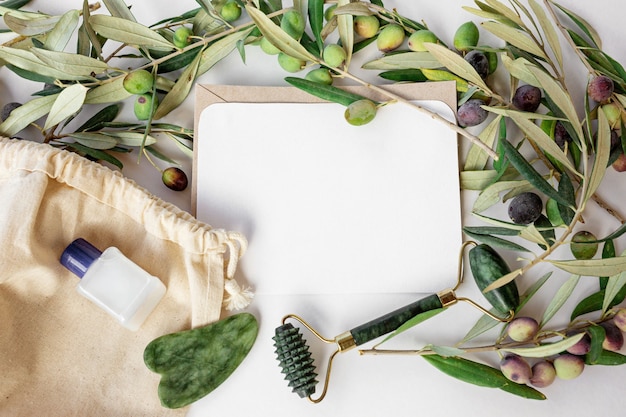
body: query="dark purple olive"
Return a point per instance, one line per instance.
(527, 98)
(479, 61)
(525, 208)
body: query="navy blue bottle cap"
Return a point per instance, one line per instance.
(79, 256)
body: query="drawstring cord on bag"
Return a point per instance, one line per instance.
(235, 297)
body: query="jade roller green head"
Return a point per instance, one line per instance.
(295, 358)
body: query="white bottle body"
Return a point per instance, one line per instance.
(121, 288)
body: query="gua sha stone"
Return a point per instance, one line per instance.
(192, 363)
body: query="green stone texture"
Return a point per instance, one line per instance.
(391, 321)
(192, 363)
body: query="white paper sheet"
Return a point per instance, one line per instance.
(328, 207)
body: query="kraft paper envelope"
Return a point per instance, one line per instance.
(329, 207)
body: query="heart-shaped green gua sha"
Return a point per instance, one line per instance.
(192, 363)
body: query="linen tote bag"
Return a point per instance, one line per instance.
(60, 355)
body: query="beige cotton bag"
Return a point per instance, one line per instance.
(60, 354)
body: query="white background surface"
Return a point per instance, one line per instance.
(401, 386)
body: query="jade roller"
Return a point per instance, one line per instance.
(293, 353)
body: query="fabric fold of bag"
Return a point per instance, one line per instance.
(62, 355)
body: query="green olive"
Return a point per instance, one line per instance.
(334, 55)
(289, 63)
(182, 37)
(419, 38)
(360, 112)
(231, 11)
(138, 82)
(466, 36)
(145, 106)
(320, 75)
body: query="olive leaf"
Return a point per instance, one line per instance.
(456, 64)
(547, 349)
(614, 286)
(491, 195)
(477, 180)
(476, 158)
(505, 11)
(544, 141)
(527, 171)
(603, 151)
(325, 92)
(29, 24)
(28, 61)
(26, 114)
(118, 8)
(94, 140)
(515, 37)
(69, 63)
(549, 31)
(316, 20)
(592, 267)
(559, 96)
(131, 138)
(500, 282)
(109, 91)
(491, 14)
(68, 102)
(494, 241)
(220, 49)
(405, 60)
(62, 32)
(105, 115)
(97, 154)
(181, 89)
(481, 375)
(607, 358)
(345, 26)
(462, 86)
(277, 36)
(560, 297)
(583, 25)
(597, 335)
(128, 32)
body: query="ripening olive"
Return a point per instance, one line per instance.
(145, 106)
(568, 366)
(289, 63)
(466, 36)
(516, 369)
(360, 112)
(293, 23)
(320, 75)
(522, 329)
(231, 11)
(334, 55)
(174, 178)
(584, 245)
(613, 114)
(390, 37)
(620, 163)
(366, 26)
(613, 336)
(620, 319)
(471, 113)
(527, 98)
(182, 37)
(419, 37)
(525, 208)
(600, 88)
(138, 82)
(582, 347)
(543, 374)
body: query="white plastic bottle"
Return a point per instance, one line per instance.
(113, 282)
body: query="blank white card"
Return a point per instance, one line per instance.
(328, 207)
